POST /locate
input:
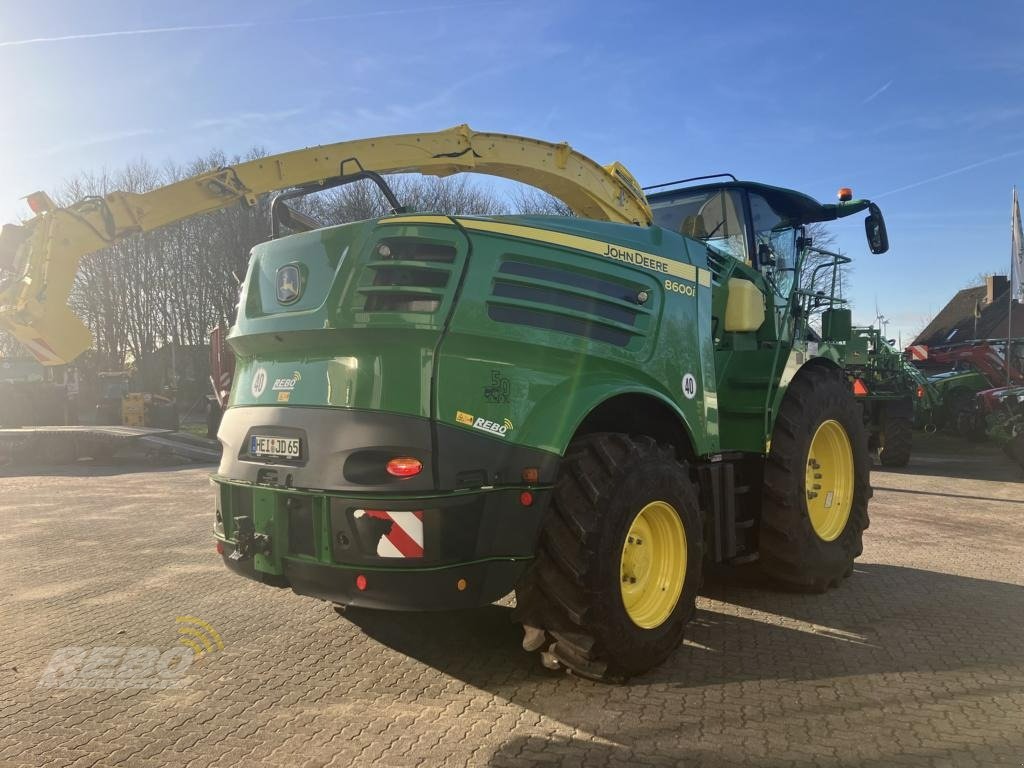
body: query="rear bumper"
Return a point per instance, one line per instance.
(436, 552)
(458, 534)
(468, 585)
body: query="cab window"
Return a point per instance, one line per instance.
(775, 237)
(714, 217)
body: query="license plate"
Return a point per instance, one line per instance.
(275, 447)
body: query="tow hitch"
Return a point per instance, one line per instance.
(248, 542)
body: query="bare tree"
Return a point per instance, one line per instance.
(817, 273)
(363, 200)
(530, 200)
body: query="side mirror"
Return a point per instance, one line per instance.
(764, 255)
(874, 228)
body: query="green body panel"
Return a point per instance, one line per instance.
(325, 349)
(520, 327)
(555, 379)
(343, 357)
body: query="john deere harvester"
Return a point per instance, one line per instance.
(431, 411)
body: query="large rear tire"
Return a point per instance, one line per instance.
(897, 441)
(619, 560)
(816, 483)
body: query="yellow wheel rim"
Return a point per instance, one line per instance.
(829, 480)
(653, 565)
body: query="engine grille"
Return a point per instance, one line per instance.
(556, 299)
(409, 275)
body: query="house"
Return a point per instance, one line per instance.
(975, 314)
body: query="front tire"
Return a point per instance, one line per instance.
(816, 482)
(619, 561)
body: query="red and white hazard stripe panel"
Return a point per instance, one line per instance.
(42, 351)
(405, 539)
(918, 352)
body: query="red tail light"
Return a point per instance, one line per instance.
(404, 466)
(920, 391)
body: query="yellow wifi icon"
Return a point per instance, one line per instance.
(198, 635)
(508, 425)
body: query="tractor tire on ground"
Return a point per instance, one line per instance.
(816, 484)
(897, 441)
(963, 417)
(619, 560)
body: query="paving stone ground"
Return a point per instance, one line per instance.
(918, 659)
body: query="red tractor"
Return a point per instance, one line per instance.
(982, 356)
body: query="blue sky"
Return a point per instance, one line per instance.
(919, 106)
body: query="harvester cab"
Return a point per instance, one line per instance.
(771, 282)
(429, 411)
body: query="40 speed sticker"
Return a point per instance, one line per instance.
(259, 382)
(689, 386)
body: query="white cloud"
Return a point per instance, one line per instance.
(878, 92)
(92, 141)
(243, 24)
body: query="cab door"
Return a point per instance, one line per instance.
(775, 254)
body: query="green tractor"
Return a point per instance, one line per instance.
(893, 393)
(958, 375)
(430, 411)
(955, 401)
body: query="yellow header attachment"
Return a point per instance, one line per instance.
(43, 254)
